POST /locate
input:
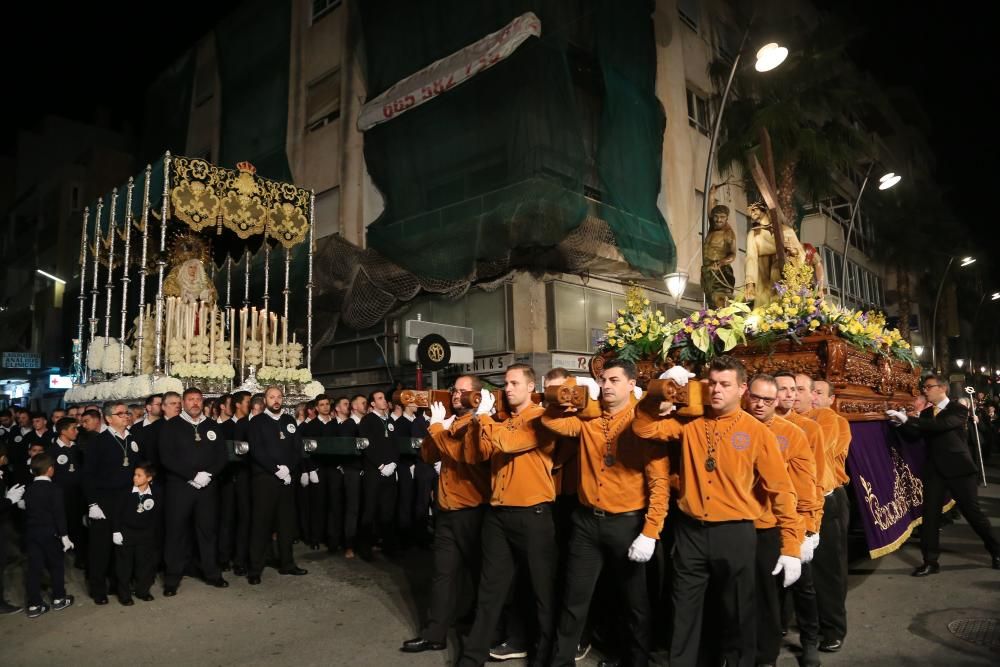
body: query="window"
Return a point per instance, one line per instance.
(578, 316)
(698, 115)
(323, 100)
(327, 215)
(689, 11)
(323, 7)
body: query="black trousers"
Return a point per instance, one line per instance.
(186, 505)
(457, 552)
(76, 509)
(424, 483)
(766, 595)
(405, 494)
(596, 542)
(829, 567)
(100, 548)
(311, 503)
(135, 565)
(379, 508)
(234, 515)
(514, 537)
(725, 554)
(963, 491)
(344, 496)
(274, 504)
(44, 553)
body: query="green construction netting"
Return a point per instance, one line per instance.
(253, 46)
(493, 171)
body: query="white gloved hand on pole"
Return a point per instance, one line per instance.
(593, 388)
(486, 403)
(437, 413)
(678, 374)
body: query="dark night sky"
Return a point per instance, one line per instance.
(59, 58)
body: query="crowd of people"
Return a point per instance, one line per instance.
(623, 522)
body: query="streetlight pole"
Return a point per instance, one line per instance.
(887, 181)
(965, 262)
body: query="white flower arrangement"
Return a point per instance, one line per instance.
(107, 358)
(124, 388)
(252, 354)
(204, 371)
(313, 389)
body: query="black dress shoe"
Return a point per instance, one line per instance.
(253, 579)
(294, 571)
(100, 599)
(218, 583)
(169, 591)
(146, 597)
(925, 569)
(831, 645)
(126, 602)
(419, 645)
(240, 570)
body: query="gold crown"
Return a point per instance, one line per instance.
(186, 245)
(246, 167)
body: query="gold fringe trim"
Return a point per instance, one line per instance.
(898, 542)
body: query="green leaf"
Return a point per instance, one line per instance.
(728, 337)
(701, 339)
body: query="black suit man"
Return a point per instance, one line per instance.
(949, 469)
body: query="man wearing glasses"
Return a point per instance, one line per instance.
(949, 468)
(801, 466)
(107, 474)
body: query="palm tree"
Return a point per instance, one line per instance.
(806, 107)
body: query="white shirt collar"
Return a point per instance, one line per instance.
(325, 421)
(43, 478)
(272, 415)
(943, 404)
(356, 418)
(104, 427)
(116, 433)
(59, 441)
(409, 418)
(25, 430)
(186, 417)
(149, 489)
(147, 421)
(341, 421)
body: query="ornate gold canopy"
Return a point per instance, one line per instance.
(205, 196)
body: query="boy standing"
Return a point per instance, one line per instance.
(134, 524)
(45, 537)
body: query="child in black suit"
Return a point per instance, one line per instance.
(134, 524)
(45, 537)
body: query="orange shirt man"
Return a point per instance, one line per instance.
(623, 490)
(723, 456)
(518, 527)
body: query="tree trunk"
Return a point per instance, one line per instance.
(786, 191)
(903, 287)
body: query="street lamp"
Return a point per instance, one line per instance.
(886, 182)
(960, 362)
(918, 350)
(769, 57)
(676, 282)
(51, 277)
(966, 261)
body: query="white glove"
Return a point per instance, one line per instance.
(15, 493)
(642, 549)
(815, 540)
(791, 566)
(314, 477)
(304, 479)
(67, 544)
(593, 388)
(897, 416)
(446, 424)
(437, 413)
(637, 392)
(807, 550)
(96, 513)
(20, 504)
(195, 484)
(437, 467)
(388, 469)
(284, 475)
(678, 374)
(203, 478)
(486, 404)
(118, 538)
